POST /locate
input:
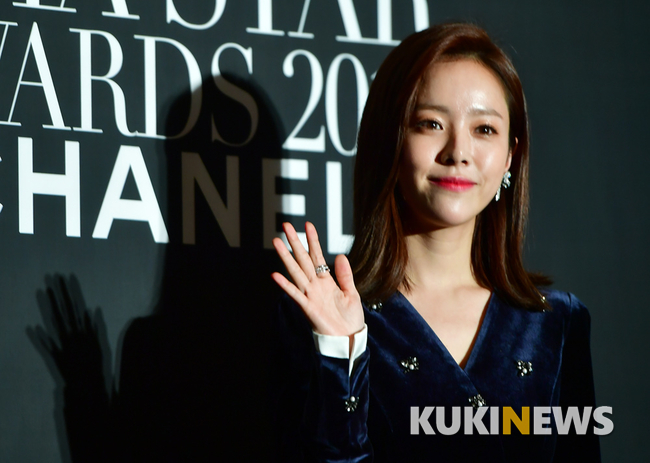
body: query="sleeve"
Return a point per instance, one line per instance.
(577, 387)
(339, 346)
(320, 409)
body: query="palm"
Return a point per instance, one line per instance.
(331, 309)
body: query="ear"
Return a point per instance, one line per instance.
(510, 151)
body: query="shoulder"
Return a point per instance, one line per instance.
(565, 303)
(569, 308)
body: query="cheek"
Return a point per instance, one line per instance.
(417, 157)
(406, 174)
(410, 174)
(407, 165)
(493, 165)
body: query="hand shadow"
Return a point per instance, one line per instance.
(73, 342)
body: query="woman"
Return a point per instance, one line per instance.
(434, 307)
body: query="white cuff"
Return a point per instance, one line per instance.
(339, 346)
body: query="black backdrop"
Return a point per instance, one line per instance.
(150, 152)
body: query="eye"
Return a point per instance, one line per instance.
(429, 124)
(486, 130)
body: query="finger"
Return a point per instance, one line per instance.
(87, 325)
(97, 320)
(57, 317)
(299, 252)
(315, 251)
(295, 271)
(68, 305)
(289, 288)
(344, 275)
(99, 327)
(45, 340)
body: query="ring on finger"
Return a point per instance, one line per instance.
(322, 269)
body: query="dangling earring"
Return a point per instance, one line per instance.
(505, 183)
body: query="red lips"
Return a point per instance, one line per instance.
(453, 183)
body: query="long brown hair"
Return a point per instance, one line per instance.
(379, 255)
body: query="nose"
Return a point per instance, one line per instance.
(457, 150)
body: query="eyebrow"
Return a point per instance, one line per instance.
(474, 111)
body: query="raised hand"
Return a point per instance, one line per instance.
(331, 310)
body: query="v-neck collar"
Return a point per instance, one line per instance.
(475, 349)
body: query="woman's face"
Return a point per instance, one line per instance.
(456, 148)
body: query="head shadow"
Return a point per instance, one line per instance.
(194, 374)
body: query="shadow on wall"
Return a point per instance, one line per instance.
(193, 375)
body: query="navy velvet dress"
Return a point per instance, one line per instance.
(405, 365)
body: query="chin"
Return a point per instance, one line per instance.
(438, 214)
(439, 221)
(450, 222)
(453, 216)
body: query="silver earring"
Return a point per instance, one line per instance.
(505, 183)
